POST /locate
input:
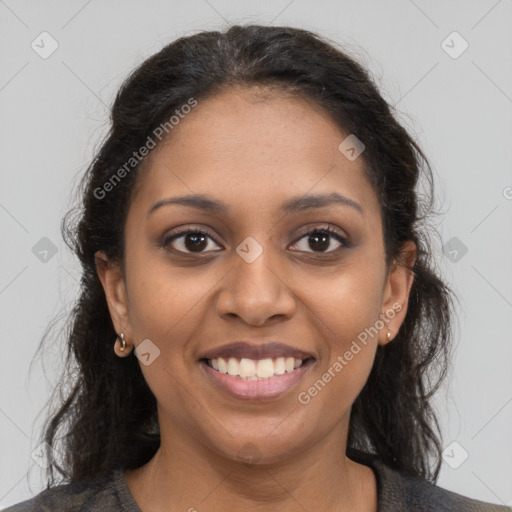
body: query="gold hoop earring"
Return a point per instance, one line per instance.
(122, 343)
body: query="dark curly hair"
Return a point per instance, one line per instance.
(104, 415)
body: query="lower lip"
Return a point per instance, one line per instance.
(256, 389)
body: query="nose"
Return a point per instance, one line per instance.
(256, 291)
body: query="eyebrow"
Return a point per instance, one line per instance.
(293, 205)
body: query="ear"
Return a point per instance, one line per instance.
(112, 279)
(396, 291)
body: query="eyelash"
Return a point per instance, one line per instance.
(327, 229)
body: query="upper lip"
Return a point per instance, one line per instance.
(255, 350)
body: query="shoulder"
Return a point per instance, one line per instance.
(100, 492)
(400, 491)
(423, 496)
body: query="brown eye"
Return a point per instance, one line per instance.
(194, 241)
(320, 239)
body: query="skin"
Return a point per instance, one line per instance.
(253, 151)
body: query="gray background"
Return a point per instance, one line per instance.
(54, 112)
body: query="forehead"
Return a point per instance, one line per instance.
(254, 147)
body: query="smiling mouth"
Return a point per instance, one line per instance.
(256, 369)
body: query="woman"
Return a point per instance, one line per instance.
(254, 249)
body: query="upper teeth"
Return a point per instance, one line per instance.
(250, 369)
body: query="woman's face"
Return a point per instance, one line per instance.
(255, 273)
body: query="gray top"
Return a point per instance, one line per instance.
(397, 492)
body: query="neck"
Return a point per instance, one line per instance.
(188, 476)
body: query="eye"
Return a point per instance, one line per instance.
(194, 240)
(197, 240)
(319, 239)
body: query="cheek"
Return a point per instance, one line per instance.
(165, 307)
(326, 397)
(346, 309)
(165, 301)
(347, 301)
